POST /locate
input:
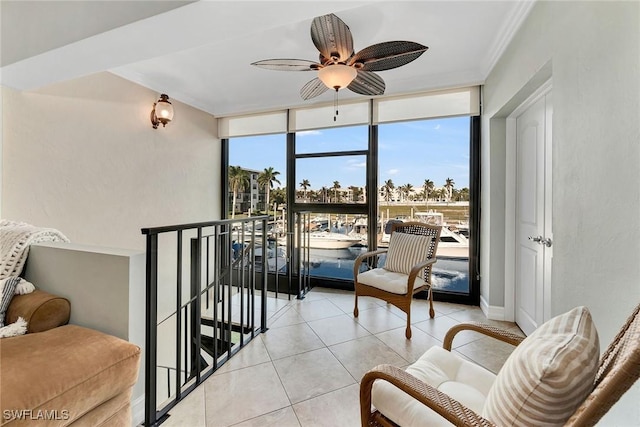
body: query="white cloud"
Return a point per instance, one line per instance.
(308, 132)
(393, 171)
(360, 165)
(437, 127)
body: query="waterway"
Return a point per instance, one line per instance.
(448, 274)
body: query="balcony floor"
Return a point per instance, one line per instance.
(305, 370)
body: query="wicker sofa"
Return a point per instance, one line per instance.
(60, 374)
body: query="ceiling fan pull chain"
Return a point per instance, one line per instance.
(335, 104)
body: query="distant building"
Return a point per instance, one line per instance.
(252, 198)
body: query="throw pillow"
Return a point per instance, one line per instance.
(19, 327)
(6, 295)
(406, 250)
(548, 375)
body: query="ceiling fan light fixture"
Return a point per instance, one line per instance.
(337, 76)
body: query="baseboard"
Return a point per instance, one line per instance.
(493, 312)
(137, 411)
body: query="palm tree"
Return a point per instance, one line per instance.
(449, 186)
(322, 194)
(406, 190)
(464, 194)
(266, 178)
(427, 188)
(238, 181)
(305, 185)
(388, 189)
(336, 186)
(356, 193)
(279, 196)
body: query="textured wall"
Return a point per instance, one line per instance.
(592, 52)
(81, 156)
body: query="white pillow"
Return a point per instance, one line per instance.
(548, 375)
(19, 327)
(406, 250)
(23, 287)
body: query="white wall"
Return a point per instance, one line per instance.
(592, 52)
(81, 156)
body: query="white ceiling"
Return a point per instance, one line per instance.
(200, 53)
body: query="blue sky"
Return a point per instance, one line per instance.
(409, 153)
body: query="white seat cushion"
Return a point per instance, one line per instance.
(389, 281)
(464, 381)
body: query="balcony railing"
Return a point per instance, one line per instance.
(205, 300)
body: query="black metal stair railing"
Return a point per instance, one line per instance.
(200, 303)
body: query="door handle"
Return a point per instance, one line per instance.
(542, 240)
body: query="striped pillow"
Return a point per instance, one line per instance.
(405, 251)
(7, 290)
(548, 375)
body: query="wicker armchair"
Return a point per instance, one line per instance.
(374, 281)
(618, 369)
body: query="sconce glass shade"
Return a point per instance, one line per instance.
(337, 76)
(162, 112)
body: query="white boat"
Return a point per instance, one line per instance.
(451, 244)
(276, 258)
(325, 240)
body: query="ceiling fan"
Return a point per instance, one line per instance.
(339, 66)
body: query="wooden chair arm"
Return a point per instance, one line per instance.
(417, 269)
(358, 261)
(488, 330)
(447, 407)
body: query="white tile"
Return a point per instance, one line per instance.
(487, 352)
(281, 418)
(251, 354)
(288, 317)
(334, 330)
(189, 412)
(243, 394)
(290, 340)
(360, 355)
(412, 349)
(379, 320)
(439, 326)
(311, 374)
(337, 408)
(317, 309)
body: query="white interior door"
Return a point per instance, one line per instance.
(533, 214)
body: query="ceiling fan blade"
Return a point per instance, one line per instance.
(332, 37)
(287, 64)
(312, 89)
(367, 83)
(387, 55)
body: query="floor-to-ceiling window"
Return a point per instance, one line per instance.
(423, 169)
(331, 172)
(395, 159)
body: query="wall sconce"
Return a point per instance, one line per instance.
(162, 112)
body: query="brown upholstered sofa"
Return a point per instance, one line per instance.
(59, 374)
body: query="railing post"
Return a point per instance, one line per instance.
(196, 264)
(151, 343)
(265, 275)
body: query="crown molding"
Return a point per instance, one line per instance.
(508, 30)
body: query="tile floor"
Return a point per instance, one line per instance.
(305, 370)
